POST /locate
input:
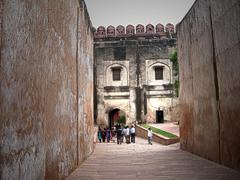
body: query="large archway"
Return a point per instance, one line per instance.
(116, 116)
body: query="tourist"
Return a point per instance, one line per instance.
(149, 136)
(113, 133)
(132, 132)
(99, 134)
(119, 135)
(127, 135)
(122, 134)
(104, 135)
(108, 134)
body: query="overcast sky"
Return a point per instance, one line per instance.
(116, 12)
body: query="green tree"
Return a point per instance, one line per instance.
(121, 120)
(174, 60)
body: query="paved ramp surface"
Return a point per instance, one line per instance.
(147, 162)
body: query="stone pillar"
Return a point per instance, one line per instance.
(132, 106)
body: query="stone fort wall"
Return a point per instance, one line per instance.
(138, 94)
(46, 76)
(131, 31)
(209, 51)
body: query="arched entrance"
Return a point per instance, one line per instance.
(116, 116)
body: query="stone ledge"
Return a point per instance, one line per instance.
(142, 132)
(116, 89)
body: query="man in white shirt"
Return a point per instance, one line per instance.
(127, 135)
(132, 132)
(149, 136)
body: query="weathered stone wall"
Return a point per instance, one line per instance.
(46, 90)
(209, 51)
(138, 84)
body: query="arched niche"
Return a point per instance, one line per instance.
(130, 30)
(159, 28)
(170, 28)
(153, 77)
(109, 75)
(116, 116)
(139, 29)
(120, 30)
(149, 29)
(101, 31)
(110, 31)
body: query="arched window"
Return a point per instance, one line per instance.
(158, 72)
(116, 74)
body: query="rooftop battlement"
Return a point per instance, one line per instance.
(130, 31)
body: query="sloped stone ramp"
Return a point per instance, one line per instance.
(148, 162)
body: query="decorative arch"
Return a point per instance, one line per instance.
(110, 31)
(158, 63)
(113, 116)
(101, 31)
(130, 30)
(124, 75)
(139, 29)
(167, 77)
(120, 31)
(149, 29)
(170, 28)
(114, 65)
(159, 28)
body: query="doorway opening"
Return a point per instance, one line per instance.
(159, 117)
(116, 116)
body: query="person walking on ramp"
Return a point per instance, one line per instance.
(149, 136)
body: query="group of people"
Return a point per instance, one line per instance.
(105, 135)
(127, 133)
(119, 132)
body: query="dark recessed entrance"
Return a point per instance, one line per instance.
(116, 116)
(159, 117)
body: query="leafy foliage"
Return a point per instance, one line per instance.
(121, 120)
(174, 59)
(176, 87)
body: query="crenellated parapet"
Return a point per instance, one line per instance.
(131, 31)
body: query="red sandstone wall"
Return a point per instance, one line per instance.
(208, 43)
(46, 88)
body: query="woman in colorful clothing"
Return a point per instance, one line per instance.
(104, 135)
(108, 134)
(99, 135)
